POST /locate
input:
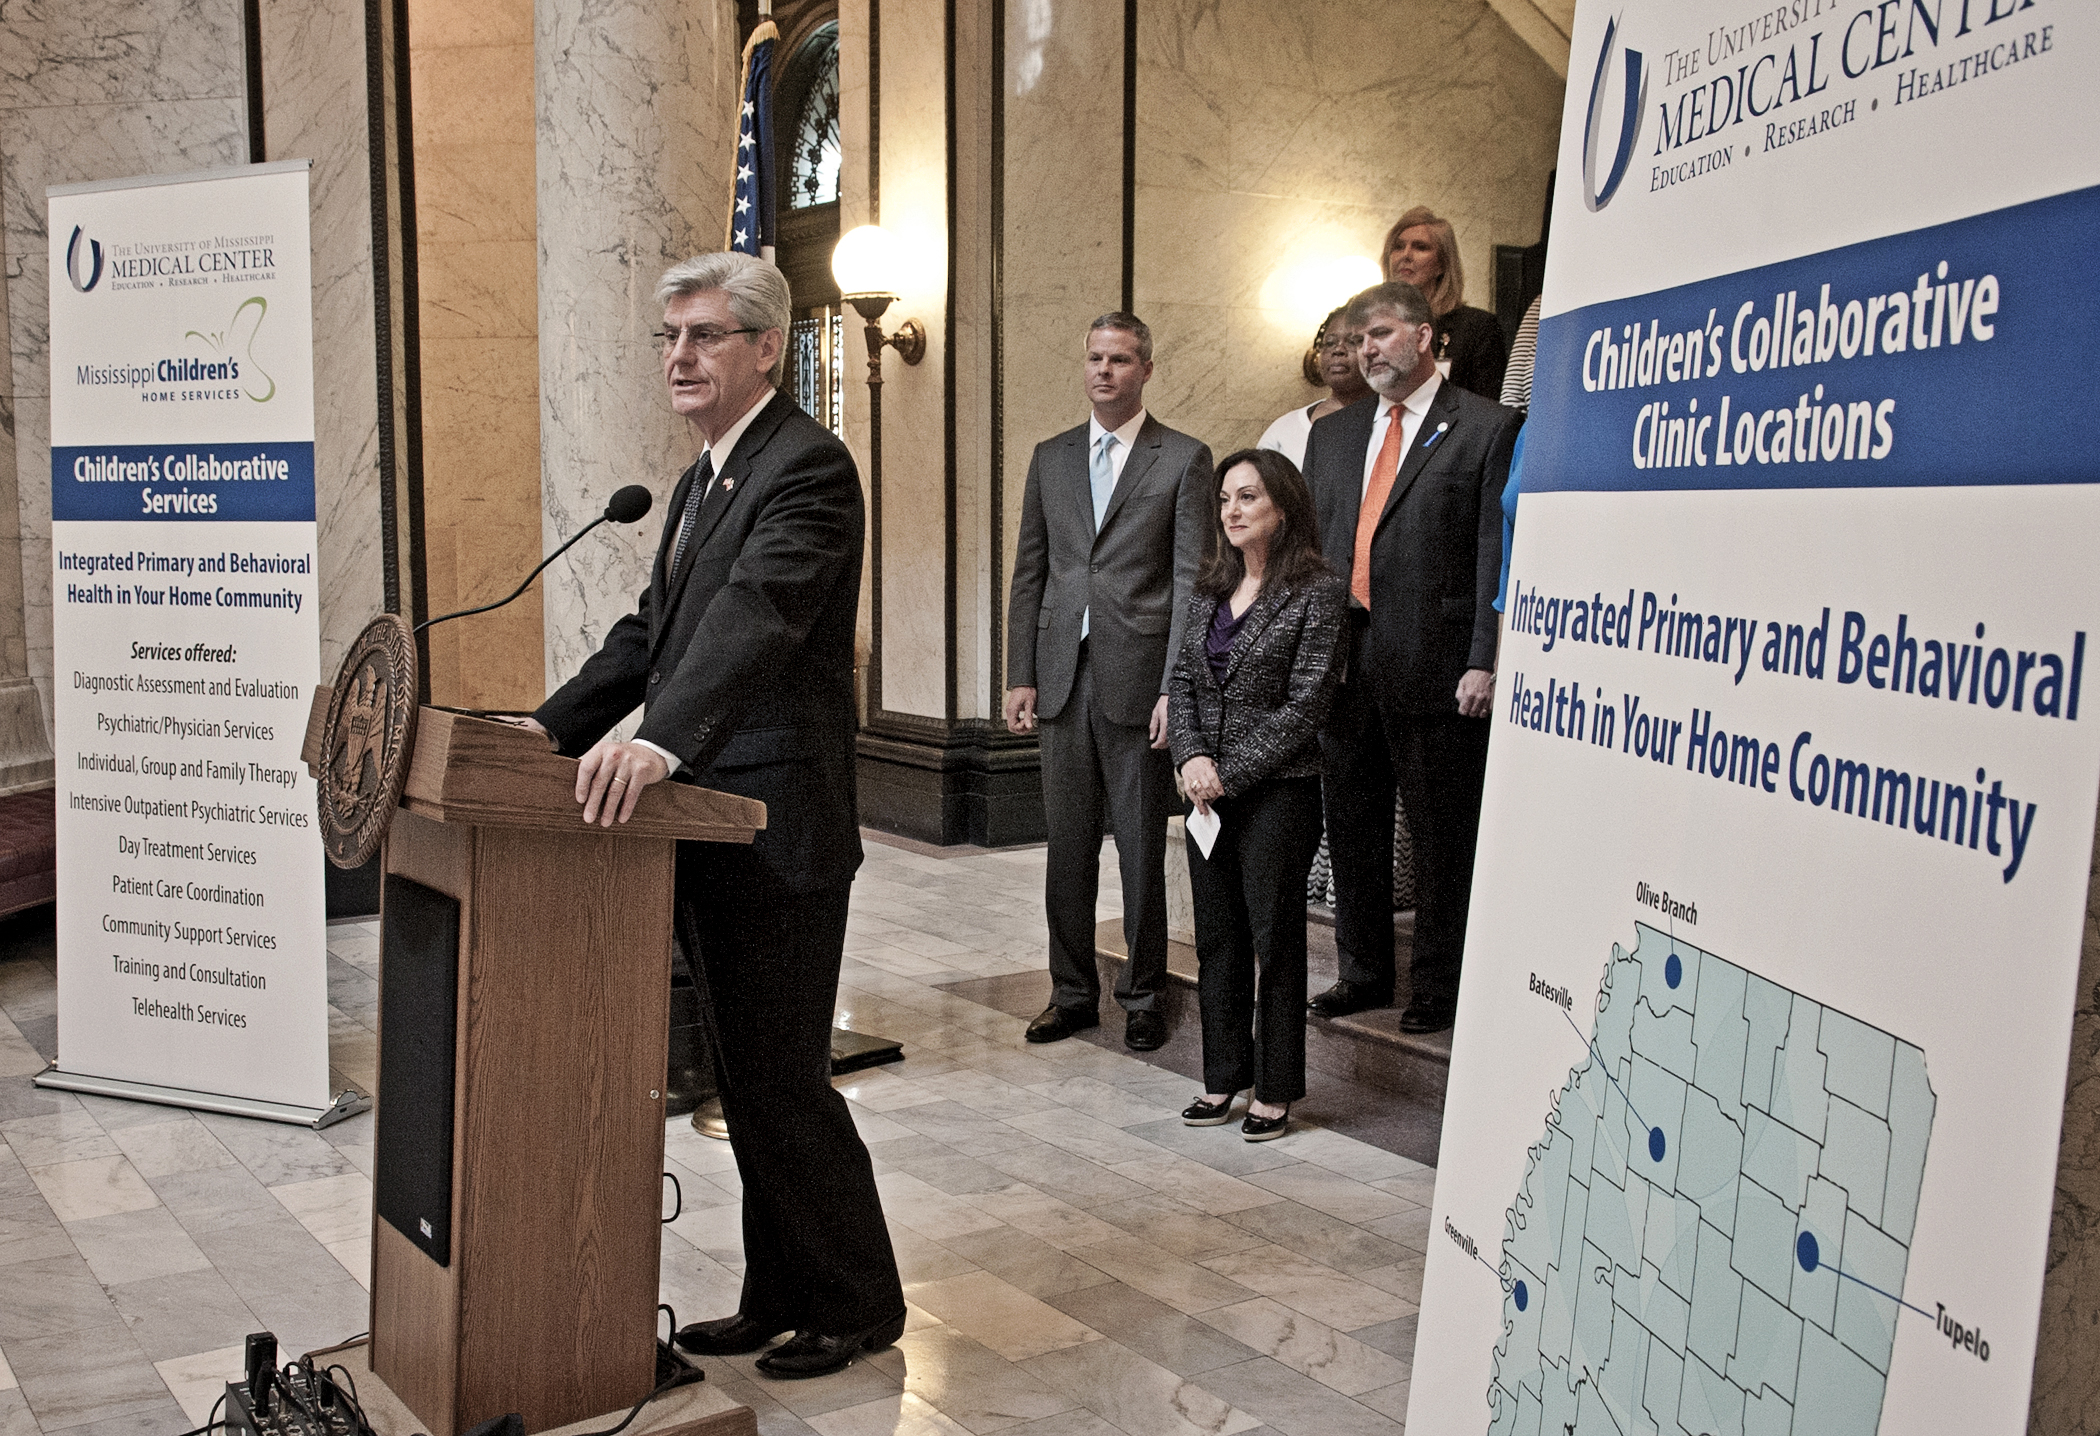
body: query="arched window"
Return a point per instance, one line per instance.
(806, 111)
(813, 165)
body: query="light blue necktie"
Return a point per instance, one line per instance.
(1102, 475)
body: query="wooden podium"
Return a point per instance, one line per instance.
(546, 1305)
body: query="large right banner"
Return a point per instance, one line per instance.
(1760, 1060)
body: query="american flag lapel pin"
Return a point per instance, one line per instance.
(728, 484)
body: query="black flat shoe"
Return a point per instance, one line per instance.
(1346, 997)
(1056, 1023)
(1265, 1129)
(725, 1336)
(810, 1353)
(1200, 1113)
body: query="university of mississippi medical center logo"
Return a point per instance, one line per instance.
(83, 261)
(1636, 107)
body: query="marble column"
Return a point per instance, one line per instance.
(635, 106)
(313, 68)
(94, 90)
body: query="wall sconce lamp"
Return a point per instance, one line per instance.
(866, 265)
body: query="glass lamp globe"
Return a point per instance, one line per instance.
(866, 262)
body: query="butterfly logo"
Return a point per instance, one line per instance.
(237, 342)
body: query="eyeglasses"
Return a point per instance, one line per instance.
(704, 340)
(1341, 343)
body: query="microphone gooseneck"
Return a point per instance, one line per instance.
(626, 506)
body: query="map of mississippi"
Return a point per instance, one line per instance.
(1711, 1235)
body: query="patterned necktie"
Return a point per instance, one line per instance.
(1383, 472)
(694, 497)
(1101, 475)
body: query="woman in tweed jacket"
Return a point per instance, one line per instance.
(1251, 687)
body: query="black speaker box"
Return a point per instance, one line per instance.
(418, 1020)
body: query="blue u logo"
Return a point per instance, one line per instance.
(94, 273)
(1593, 195)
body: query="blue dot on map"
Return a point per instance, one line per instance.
(1655, 1143)
(1673, 970)
(1807, 1251)
(1523, 1296)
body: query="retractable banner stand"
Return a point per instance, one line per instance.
(192, 960)
(1762, 1039)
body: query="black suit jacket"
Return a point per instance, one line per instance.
(1264, 720)
(744, 666)
(1436, 557)
(1135, 573)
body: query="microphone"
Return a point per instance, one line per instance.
(626, 506)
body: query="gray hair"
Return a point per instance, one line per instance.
(757, 290)
(1130, 324)
(1394, 296)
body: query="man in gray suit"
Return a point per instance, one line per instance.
(1112, 531)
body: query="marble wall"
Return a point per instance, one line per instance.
(93, 90)
(1271, 136)
(314, 108)
(471, 98)
(634, 107)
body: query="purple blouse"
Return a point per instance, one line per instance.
(1224, 628)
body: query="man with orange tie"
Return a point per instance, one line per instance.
(1408, 485)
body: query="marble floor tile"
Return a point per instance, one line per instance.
(272, 1257)
(1403, 1279)
(1417, 1187)
(878, 1091)
(1000, 1317)
(29, 1233)
(198, 1380)
(1182, 1344)
(1396, 1338)
(17, 1057)
(172, 1316)
(1183, 1285)
(334, 1209)
(1192, 1183)
(1103, 1101)
(67, 1136)
(1076, 1422)
(923, 1259)
(929, 1211)
(96, 1187)
(717, 1229)
(860, 1383)
(1020, 1260)
(1388, 1401)
(7, 1374)
(951, 1172)
(1176, 1228)
(1329, 1241)
(1043, 1217)
(968, 1132)
(901, 1415)
(275, 1153)
(1325, 1191)
(1137, 1396)
(1308, 1347)
(1084, 1137)
(1216, 1149)
(135, 1246)
(162, 1149)
(212, 1198)
(1351, 1158)
(80, 1377)
(1409, 1229)
(1296, 1405)
(987, 1096)
(974, 1386)
(1305, 1286)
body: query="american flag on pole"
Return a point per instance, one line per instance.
(751, 205)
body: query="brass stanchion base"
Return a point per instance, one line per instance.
(708, 1120)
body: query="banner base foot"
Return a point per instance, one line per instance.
(347, 1103)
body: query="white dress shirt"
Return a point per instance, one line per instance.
(1412, 409)
(724, 446)
(1118, 456)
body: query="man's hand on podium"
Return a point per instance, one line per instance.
(610, 779)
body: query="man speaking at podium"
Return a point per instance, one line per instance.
(740, 654)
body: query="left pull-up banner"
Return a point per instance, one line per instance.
(192, 953)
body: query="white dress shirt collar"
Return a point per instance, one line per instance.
(1126, 438)
(723, 447)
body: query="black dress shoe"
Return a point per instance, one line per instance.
(1423, 1017)
(1346, 997)
(1200, 1113)
(810, 1353)
(1144, 1031)
(726, 1336)
(1057, 1023)
(1265, 1129)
